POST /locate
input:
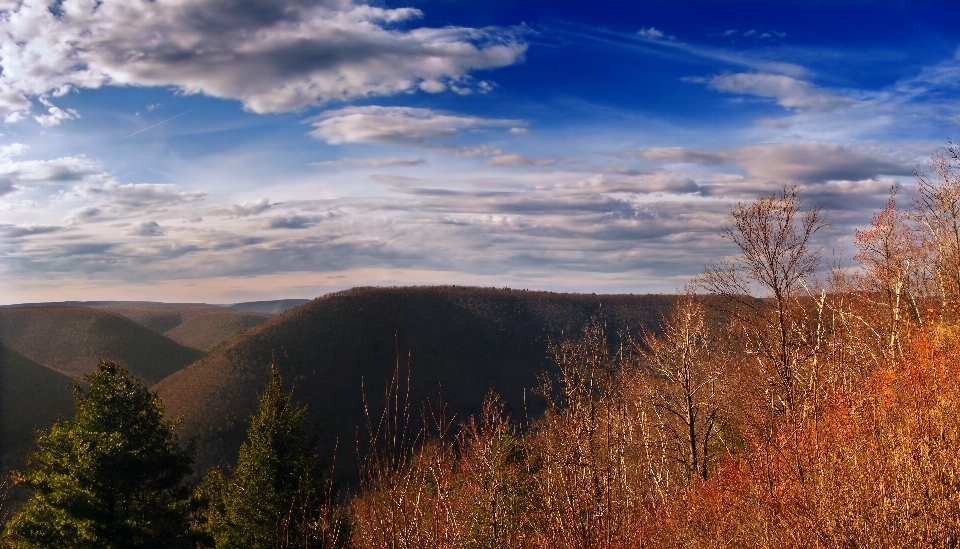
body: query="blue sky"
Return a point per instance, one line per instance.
(233, 150)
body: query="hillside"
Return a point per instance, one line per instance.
(72, 339)
(274, 307)
(31, 395)
(197, 326)
(467, 339)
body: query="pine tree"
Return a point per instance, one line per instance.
(112, 478)
(278, 494)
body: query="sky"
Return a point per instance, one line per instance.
(222, 151)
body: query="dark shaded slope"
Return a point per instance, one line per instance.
(31, 396)
(468, 339)
(72, 340)
(274, 307)
(197, 326)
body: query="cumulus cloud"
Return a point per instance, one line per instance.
(805, 162)
(787, 91)
(249, 208)
(272, 55)
(147, 228)
(406, 126)
(370, 162)
(63, 170)
(54, 115)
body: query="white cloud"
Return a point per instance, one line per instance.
(140, 196)
(405, 126)
(272, 55)
(518, 131)
(68, 169)
(652, 33)
(787, 91)
(249, 208)
(518, 160)
(290, 222)
(55, 114)
(370, 162)
(147, 228)
(806, 162)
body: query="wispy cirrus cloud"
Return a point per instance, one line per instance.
(272, 55)
(787, 91)
(370, 162)
(518, 160)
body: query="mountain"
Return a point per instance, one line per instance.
(197, 326)
(72, 339)
(31, 396)
(466, 340)
(275, 307)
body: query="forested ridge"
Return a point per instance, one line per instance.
(777, 403)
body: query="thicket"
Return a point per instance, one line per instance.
(775, 407)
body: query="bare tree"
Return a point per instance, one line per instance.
(937, 210)
(891, 275)
(763, 287)
(686, 383)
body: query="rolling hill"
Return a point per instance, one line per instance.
(72, 339)
(275, 307)
(466, 339)
(197, 326)
(31, 396)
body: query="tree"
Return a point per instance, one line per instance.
(891, 274)
(278, 494)
(686, 384)
(937, 210)
(762, 287)
(112, 478)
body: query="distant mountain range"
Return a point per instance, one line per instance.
(461, 341)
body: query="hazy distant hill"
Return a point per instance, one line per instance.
(31, 395)
(72, 340)
(275, 307)
(468, 339)
(198, 326)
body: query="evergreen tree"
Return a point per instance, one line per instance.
(112, 478)
(278, 494)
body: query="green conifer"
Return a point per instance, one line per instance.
(110, 479)
(278, 494)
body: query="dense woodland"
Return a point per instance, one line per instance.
(775, 406)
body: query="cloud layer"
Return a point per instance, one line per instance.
(803, 162)
(272, 55)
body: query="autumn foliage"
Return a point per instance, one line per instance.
(779, 405)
